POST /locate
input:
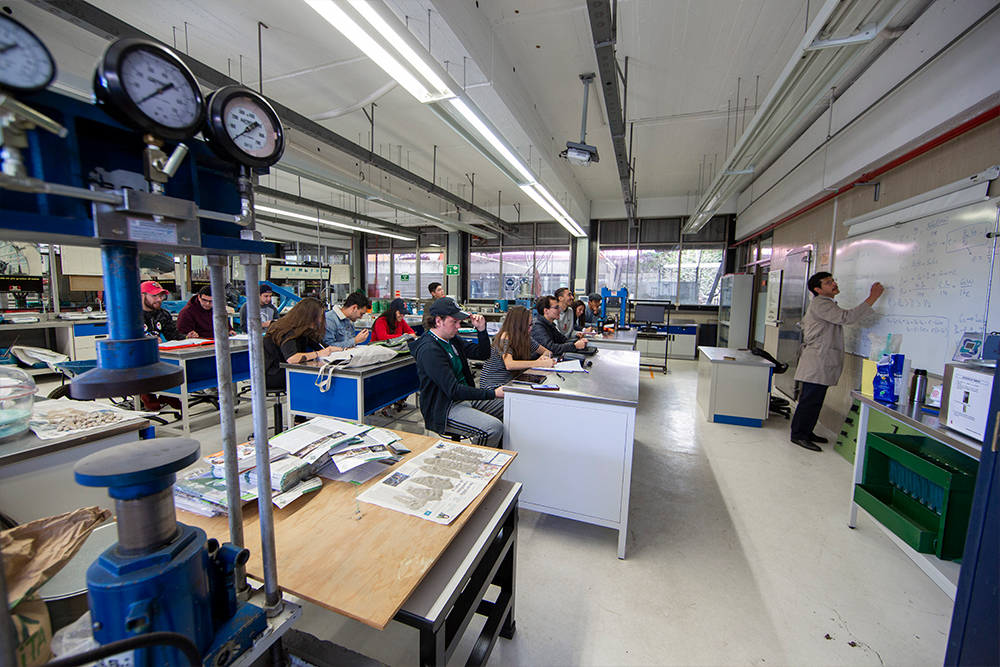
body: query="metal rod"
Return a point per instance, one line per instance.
(260, 56)
(736, 120)
(53, 279)
(121, 275)
(227, 406)
(258, 406)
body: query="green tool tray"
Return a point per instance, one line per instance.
(920, 489)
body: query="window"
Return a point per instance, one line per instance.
(404, 273)
(656, 262)
(532, 262)
(378, 274)
(431, 271)
(484, 275)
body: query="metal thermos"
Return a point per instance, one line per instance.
(918, 386)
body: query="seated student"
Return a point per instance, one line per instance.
(268, 313)
(391, 323)
(593, 308)
(294, 338)
(340, 322)
(543, 328)
(579, 315)
(195, 318)
(449, 398)
(513, 350)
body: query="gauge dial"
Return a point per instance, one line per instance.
(148, 86)
(26, 66)
(242, 127)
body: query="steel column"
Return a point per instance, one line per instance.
(227, 407)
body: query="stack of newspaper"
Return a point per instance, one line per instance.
(331, 448)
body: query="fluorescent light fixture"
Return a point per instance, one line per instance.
(946, 198)
(553, 208)
(293, 215)
(352, 31)
(815, 66)
(474, 120)
(366, 9)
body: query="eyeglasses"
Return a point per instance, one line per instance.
(207, 300)
(828, 281)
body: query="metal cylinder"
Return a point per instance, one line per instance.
(121, 285)
(146, 524)
(227, 406)
(259, 408)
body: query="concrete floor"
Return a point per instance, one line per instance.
(739, 554)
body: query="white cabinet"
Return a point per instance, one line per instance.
(735, 305)
(79, 341)
(682, 341)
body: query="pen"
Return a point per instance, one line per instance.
(559, 376)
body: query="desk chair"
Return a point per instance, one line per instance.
(778, 405)
(276, 394)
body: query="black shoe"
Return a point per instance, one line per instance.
(811, 446)
(817, 438)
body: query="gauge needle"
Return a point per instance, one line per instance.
(7, 47)
(159, 90)
(249, 128)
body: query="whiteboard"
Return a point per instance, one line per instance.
(937, 272)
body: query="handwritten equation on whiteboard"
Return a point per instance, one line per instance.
(936, 271)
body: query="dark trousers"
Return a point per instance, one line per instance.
(807, 411)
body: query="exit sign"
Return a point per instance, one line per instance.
(452, 269)
(405, 277)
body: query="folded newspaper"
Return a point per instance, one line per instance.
(440, 483)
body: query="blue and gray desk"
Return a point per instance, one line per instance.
(200, 373)
(353, 393)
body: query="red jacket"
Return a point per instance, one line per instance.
(381, 332)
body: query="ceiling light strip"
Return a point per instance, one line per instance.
(293, 215)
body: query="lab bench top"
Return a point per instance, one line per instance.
(626, 336)
(912, 415)
(613, 379)
(198, 351)
(29, 446)
(728, 355)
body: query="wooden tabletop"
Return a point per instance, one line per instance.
(362, 566)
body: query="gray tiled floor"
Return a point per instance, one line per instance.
(738, 554)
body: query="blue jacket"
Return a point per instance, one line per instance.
(545, 334)
(340, 330)
(438, 386)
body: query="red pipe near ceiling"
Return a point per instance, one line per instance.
(957, 131)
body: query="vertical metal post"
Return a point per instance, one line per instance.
(227, 405)
(121, 275)
(53, 279)
(258, 407)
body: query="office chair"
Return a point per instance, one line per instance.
(778, 405)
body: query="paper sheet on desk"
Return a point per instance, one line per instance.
(185, 342)
(438, 484)
(53, 419)
(571, 366)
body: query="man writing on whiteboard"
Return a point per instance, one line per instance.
(821, 355)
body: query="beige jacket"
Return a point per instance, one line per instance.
(821, 356)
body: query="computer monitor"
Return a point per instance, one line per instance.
(649, 313)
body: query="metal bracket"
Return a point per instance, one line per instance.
(867, 34)
(150, 220)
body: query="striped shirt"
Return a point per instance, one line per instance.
(494, 372)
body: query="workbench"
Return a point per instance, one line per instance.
(200, 373)
(36, 476)
(375, 565)
(575, 445)
(353, 393)
(620, 339)
(734, 386)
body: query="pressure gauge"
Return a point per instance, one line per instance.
(243, 128)
(26, 66)
(148, 86)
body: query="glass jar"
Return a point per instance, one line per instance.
(17, 397)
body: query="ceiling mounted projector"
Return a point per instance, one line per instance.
(582, 153)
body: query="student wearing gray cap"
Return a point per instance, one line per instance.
(593, 312)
